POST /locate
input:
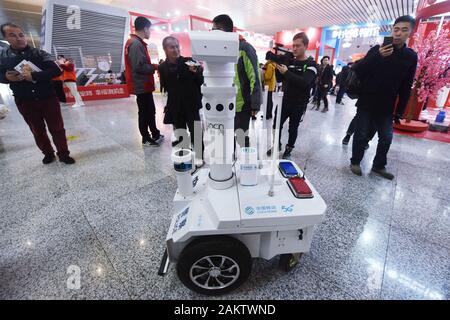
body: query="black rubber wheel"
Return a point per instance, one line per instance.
(289, 261)
(214, 265)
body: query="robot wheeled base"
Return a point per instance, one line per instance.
(215, 234)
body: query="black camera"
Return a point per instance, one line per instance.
(280, 55)
(285, 59)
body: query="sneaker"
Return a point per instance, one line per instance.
(287, 152)
(67, 160)
(49, 158)
(384, 173)
(325, 110)
(199, 163)
(176, 142)
(356, 169)
(76, 105)
(346, 140)
(160, 139)
(269, 152)
(150, 143)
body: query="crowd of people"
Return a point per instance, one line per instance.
(384, 75)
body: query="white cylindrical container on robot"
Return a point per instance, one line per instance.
(249, 167)
(182, 163)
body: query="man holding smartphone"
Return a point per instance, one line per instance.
(386, 73)
(182, 79)
(33, 92)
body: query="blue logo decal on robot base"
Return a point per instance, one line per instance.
(266, 209)
(249, 211)
(269, 209)
(260, 210)
(200, 221)
(181, 220)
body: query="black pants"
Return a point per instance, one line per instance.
(314, 92)
(295, 113)
(191, 120)
(241, 125)
(146, 116)
(59, 89)
(352, 127)
(269, 105)
(367, 123)
(340, 94)
(323, 95)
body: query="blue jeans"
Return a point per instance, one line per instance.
(367, 123)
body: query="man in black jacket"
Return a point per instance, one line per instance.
(182, 83)
(387, 72)
(33, 92)
(298, 78)
(325, 80)
(340, 81)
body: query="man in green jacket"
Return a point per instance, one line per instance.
(247, 81)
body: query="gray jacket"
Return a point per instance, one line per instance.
(139, 70)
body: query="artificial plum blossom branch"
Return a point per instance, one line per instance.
(433, 63)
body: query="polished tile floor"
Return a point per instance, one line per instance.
(106, 217)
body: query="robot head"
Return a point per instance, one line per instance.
(215, 46)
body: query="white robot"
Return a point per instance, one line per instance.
(228, 214)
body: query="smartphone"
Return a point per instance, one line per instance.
(388, 41)
(287, 169)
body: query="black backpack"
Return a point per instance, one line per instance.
(353, 84)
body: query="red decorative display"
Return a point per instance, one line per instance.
(100, 92)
